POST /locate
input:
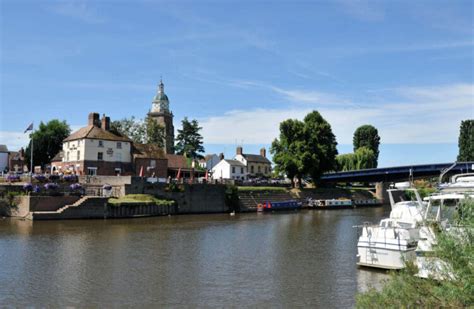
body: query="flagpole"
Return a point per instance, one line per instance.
(31, 156)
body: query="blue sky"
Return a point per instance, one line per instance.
(241, 67)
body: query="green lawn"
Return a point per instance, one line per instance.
(139, 199)
(277, 189)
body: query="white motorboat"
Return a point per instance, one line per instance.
(439, 212)
(393, 241)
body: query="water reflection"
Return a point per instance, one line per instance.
(291, 259)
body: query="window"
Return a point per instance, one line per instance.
(241, 170)
(92, 171)
(118, 171)
(251, 169)
(119, 145)
(78, 155)
(152, 163)
(266, 169)
(100, 156)
(258, 168)
(101, 143)
(233, 169)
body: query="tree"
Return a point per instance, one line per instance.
(287, 150)
(404, 290)
(155, 133)
(47, 142)
(346, 162)
(189, 141)
(139, 131)
(367, 136)
(364, 158)
(466, 141)
(320, 150)
(305, 148)
(133, 128)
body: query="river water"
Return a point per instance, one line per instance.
(304, 258)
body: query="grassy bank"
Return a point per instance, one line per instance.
(257, 189)
(139, 199)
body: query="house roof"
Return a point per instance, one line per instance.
(256, 158)
(3, 148)
(94, 132)
(235, 163)
(208, 157)
(177, 161)
(148, 151)
(58, 157)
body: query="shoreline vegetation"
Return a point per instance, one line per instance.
(405, 290)
(139, 199)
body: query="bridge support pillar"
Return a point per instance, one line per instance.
(381, 191)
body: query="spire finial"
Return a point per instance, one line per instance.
(161, 87)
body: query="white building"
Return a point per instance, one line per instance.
(229, 169)
(3, 158)
(95, 150)
(209, 161)
(257, 165)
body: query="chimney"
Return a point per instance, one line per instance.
(239, 150)
(94, 119)
(105, 123)
(221, 156)
(263, 152)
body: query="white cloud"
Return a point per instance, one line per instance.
(423, 115)
(78, 9)
(14, 140)
(364, 10)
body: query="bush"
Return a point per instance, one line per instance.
(70, 178)
(51, 186)
(13, 178)
(39, 177)
(28, 187)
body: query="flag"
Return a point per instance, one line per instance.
(205, 177)
(179, 173)
(141, 171)
(30, 128)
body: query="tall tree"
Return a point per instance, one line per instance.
(287, 149)
(155, 133)
(305, 148)
(189, 140)
(320, 150)
(47, 142)
(466, 141)
(367, 136)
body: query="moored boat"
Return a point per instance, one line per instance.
(393, 241)
(281, 205)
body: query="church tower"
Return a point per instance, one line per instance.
(160, 112)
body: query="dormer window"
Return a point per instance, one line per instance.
(101, 143)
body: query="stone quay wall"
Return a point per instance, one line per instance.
(25, 204)
(195, 199)
(98, 208)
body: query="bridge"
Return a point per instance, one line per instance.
(397, 173)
